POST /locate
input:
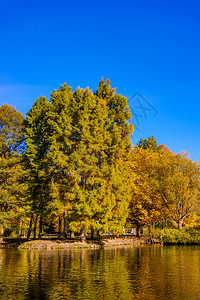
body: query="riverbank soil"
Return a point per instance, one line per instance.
(56, 243)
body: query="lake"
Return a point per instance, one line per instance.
(148, 272)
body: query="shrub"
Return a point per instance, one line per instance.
(179, 237)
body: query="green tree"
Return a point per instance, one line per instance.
(88, 150)
(62, 146)
(117, 154)
(77, 146)
(37, 134)
(149, 143)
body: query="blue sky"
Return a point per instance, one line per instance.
(150, 47)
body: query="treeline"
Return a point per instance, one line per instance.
(69, 166)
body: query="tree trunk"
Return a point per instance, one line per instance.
(64, 226)
(59, 225)
(150, 233)
(40, 228)
(35, 227)
(19, 231)
(180, 224)
(83, 237)
(92, 234)
(1, 233)
(164, 221)
(98, 234)
(30, 226)
(137, 230)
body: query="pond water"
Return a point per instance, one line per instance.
(157, 272)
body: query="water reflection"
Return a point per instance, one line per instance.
(117, 273)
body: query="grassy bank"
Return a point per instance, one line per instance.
(164, 236)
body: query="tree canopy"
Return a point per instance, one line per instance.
(176, 178)
(146, 205)
(149, 143)
(11, 124)
(69, 166)
(77, 146)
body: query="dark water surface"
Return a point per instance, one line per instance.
(119, 273)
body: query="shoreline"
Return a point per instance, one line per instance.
(49, 244)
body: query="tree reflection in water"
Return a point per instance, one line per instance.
(118, 273)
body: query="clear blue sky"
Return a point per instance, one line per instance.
(150, 47)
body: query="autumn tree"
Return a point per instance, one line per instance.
(176, 178)
(11, 124)
(12, 192)
(11, 172)
(145, 205)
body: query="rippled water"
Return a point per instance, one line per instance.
(118, 273)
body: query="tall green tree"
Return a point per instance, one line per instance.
(77, 146)
(117, 155)
(87, 148)
(62, 145)
(37, 134)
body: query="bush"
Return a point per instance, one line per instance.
(179, 237)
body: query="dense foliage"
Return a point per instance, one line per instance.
(69, 166)
(179, 237)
